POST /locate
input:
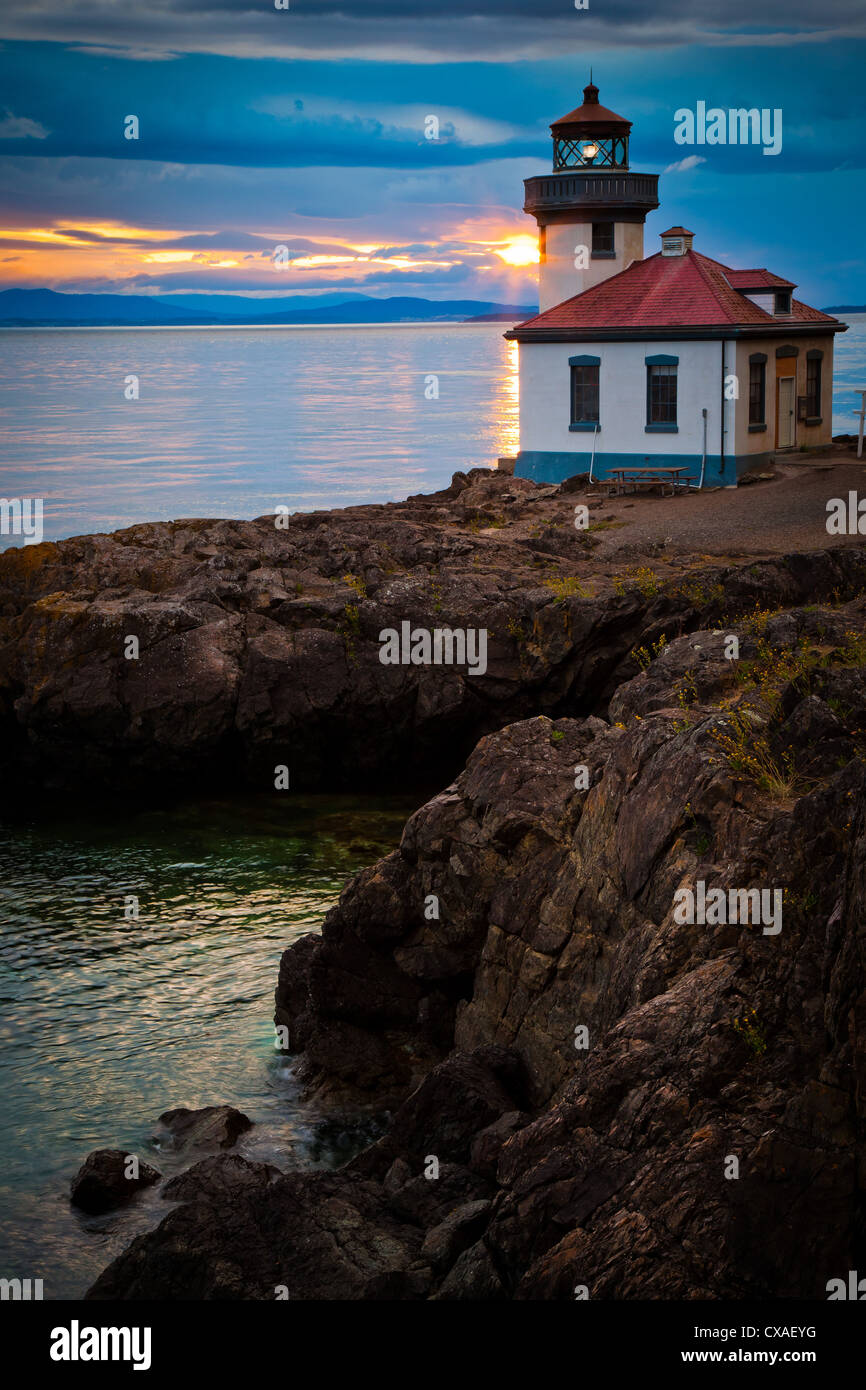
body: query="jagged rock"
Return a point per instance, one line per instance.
(223, 1175)
(213, 1127)
(586, 1065)
(101, 1182)
(577, 483)
(690, 669)
(443, 1243)
(396, 1177)
(473, 1276)
(426, 1201)
(310, 1236)
(442, 1115)
(488, 1143)
(260, 646)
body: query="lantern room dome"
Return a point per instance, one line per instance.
(591, 136)
(591, 112)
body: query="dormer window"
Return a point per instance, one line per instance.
(783, 302)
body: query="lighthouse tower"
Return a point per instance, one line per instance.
(591, 210)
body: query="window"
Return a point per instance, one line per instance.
(783, 302)
(602, 239)
(584, 394)
(661, 395)
(757, 392)
(542, 245)
(813, 386)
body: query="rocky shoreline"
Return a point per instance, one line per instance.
(582, 1094)
(259, 647)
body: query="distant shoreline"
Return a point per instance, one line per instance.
(481, 321)
(232, 327)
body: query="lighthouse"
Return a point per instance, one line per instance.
(672, 361)
(591, 209)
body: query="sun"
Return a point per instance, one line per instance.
(522, 250)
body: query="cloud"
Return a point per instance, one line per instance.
(21, 128)
(400, 31)
(399, 122)
(364, 206)
(137, 55)
(691, 161)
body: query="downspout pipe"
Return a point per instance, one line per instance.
(704, 459)
(592, 456)
(722, 430)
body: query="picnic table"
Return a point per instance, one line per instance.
(647, 476)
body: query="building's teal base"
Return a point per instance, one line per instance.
(543, 467)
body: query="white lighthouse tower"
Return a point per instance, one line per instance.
(591, 209)
(625, 371)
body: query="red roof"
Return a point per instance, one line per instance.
(591, 113)
(687, 291)
(757, 280)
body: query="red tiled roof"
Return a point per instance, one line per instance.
(757, 280)
(686, 291)
(677, 231)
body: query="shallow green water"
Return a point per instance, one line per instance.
(106, 1022)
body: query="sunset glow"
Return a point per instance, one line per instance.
(523, 250)
(74, 258)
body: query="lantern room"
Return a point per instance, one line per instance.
(590, 137)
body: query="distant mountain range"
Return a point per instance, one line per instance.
(845, 309)
(50, 309)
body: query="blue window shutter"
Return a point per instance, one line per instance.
(661, 359)
(584, 361)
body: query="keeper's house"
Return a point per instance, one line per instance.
(673, 359)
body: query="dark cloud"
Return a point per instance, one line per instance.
(365, 205)
(238, 154)
(405, 29)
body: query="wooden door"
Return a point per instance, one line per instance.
(786, 406)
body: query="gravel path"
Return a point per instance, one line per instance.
(768, 518)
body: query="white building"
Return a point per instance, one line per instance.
(674, 359)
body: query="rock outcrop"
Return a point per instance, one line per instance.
(108, 1178)
(603, 1076)
(212, 1127)
(208, 653)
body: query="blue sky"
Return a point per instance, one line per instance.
(305, 128)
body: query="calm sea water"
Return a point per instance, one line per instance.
(849, 374)
(233, 422)
(106, 1023)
